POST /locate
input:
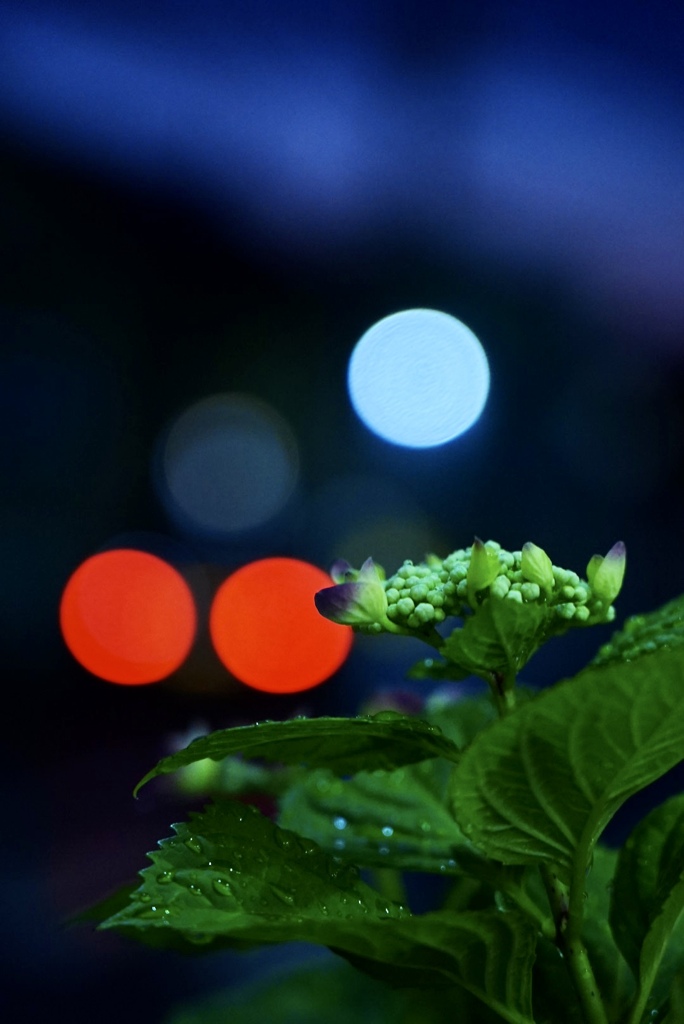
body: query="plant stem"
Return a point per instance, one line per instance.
(527, 904)
(639, 1006)
(567, 906)
(503, 691)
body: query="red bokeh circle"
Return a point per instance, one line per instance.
(267, 632)
(128, 617)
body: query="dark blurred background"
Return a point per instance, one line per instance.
(222, 198)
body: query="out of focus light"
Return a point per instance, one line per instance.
(267, 632)
(389, 539)
(128, 617)
(418, 378)
(228, 463)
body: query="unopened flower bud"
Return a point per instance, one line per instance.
(483, 569)
(605, 575)
(359, 601)
(536, 566)
(342, 572)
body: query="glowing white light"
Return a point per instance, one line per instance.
(228, 463)
(418, 378)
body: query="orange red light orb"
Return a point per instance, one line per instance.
(267, 632)
(129, 617)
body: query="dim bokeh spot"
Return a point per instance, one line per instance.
(229, 463)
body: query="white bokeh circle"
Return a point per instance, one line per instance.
(418, 378)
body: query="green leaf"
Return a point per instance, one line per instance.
(232, 878)
(612, 973)
(675, 1003)
(334, 993)
(232, 776)
(648, 899)
(385, 740)
(463, 718)
(540, 785)
(489, 953)
(395, 819)
(553, 997)
(400, 820)
(555, 1001)
(645, 634)
(500, 637)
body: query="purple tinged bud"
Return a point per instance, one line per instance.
(605, 575)
(359, 600)
(342, 572)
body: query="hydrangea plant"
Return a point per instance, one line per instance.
(503, 796)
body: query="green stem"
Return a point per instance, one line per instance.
(567, 906)
(503, 691)
(429, 636)
(527, 904)
(639, 1006)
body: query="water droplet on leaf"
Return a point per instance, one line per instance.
(502, 902)
(152, 913)
(222, 887)
(285, 897)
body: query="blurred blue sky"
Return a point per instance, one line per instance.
(529, 134)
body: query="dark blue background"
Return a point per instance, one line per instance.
(223, 196)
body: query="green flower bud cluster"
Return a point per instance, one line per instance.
(426, 594)
(644, 634)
